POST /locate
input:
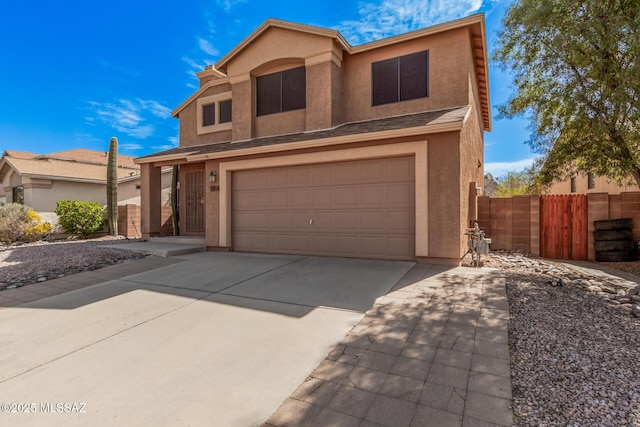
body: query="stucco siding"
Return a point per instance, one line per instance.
(444, 196)
(447, 78)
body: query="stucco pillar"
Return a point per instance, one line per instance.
(242, 108)
(150, 200)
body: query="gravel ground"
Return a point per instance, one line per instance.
(39, 261)
(574, 346)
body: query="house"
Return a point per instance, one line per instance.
(297, 142)
(40, 180)
(585, 183)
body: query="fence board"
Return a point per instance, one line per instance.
(564, 227)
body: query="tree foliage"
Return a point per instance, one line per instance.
(518, 183)
(576, 65)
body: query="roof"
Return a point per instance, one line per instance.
(79, 164)
(449, 119)
(477, 33)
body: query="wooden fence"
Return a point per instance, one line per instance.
(559, 227)
(563, 227)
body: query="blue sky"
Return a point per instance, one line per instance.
(73, 74)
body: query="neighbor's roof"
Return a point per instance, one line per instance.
(80, 165)
(449, 119)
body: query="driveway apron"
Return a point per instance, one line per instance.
(216, 339)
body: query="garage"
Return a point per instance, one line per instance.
(361, 208)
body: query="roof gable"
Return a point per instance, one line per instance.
(275, 23)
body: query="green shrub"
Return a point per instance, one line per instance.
(14, 219)
(81, 218)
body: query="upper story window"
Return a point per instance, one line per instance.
(281, 91)
(400, 79)
(214, 113)
(591, 181)
(573, 184)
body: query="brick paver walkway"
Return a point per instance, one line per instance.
(432, 352)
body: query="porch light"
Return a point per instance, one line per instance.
(213, 177)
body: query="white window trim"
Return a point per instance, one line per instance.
(212, 99)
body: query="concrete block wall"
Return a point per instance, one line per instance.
(514, 223)
(129, 221)
(511, 223)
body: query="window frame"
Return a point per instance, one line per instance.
(281, 85)
(395, 66)
(14, 191)
(216, 100)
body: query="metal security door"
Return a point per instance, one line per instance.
(194, 194)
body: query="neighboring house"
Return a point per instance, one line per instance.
(40, 180)
(297, 142)
(584, 183)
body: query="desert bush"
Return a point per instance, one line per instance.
(19, 222)
(13, 221)
(78, 217)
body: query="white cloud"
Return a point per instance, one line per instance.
(133, 117)
(498, 169)
(173, 143)
(207, 47)
(384, 18)
(228, 4)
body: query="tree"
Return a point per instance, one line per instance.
(576, 65)
(518, 183)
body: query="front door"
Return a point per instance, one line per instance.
(194, 209)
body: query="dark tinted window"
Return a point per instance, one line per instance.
(209, 115)
(268, 96)
(225, 111)
(400, 79)
(294, 94)
(385, 81)
(282, 91)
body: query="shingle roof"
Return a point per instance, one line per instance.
(449, 115)
(75, 165)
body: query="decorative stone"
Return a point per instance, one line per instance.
(594, 288)
(608, 289)
(41, 279)
(12, 286)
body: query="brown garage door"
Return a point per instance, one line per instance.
(363, 208)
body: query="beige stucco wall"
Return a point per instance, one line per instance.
(338, 84)
(448, 56)
(602, 185)
(189, 116)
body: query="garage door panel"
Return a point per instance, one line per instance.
(400, 169)
(372, 171)
(322, 174)
(363, 208)
(399, 194)
(322, 197)
(300, 198)
(278, 199)
(399, 221)
(346, 197)
(372, 195)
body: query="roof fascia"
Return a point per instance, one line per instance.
(339, 140)
(197, 93)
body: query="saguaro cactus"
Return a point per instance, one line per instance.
(112, 187)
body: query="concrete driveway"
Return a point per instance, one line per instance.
(217, 339)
